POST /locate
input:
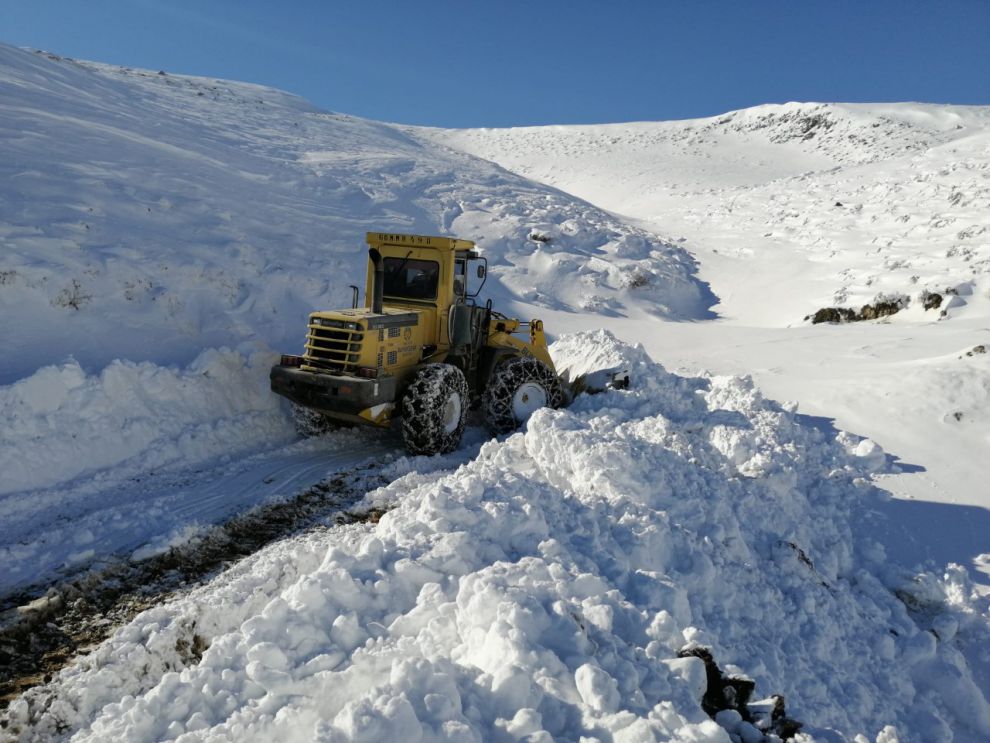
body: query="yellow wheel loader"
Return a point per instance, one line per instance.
(421, 349)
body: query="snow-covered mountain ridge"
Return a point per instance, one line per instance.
(852, 200)
(544, 588)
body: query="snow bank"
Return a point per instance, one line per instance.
(543, 591)
(148, 216)
(96, 465)
(61, 423)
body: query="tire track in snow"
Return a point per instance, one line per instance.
(146, 514)
(40, 638)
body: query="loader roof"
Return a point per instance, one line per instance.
(378, 239)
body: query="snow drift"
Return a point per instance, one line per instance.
(148, 216)
(60, 423)
(543, 591)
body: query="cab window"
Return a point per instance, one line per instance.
(460, 278)
(409, 278)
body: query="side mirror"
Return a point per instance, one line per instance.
(482, 273)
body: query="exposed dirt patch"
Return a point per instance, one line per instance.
(48, 630)
(73, 296)
(732, 692)
(832, 315)
(931, 300)
(880, 308)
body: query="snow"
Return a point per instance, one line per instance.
(133, 414)
(546, 586)
(220, 213)
(164, 237)
(791, 208)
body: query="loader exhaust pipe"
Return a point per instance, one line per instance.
(378, 287)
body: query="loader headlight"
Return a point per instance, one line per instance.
(340, 324)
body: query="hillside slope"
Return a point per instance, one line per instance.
(220, 212)
(796, 207)
(816, 204)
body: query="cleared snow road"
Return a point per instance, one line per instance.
(106, 517)
(184, 525)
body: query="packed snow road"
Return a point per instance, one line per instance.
(87, 560)
(56, 533)
(161, 535)
(39, 638)
(310, 486)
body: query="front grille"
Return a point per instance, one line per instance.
(333, 349)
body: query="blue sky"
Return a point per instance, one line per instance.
(508, 63)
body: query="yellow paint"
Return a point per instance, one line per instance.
(401, 352)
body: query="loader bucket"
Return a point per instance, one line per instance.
(591, 383)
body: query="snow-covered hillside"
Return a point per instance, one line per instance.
(149, 220)
(792, 208)
(819, 205)
(220, 213)
(163, 237)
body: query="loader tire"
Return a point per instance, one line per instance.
(310, 423)
(434, 410)
(517, 388)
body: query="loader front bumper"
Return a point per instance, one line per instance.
(345, 398)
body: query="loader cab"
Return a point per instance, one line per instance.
(423, 272)
(423, 279)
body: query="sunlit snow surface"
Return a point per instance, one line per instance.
(218, 213)
(163, 237)
(548, 585)
(791, 208)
